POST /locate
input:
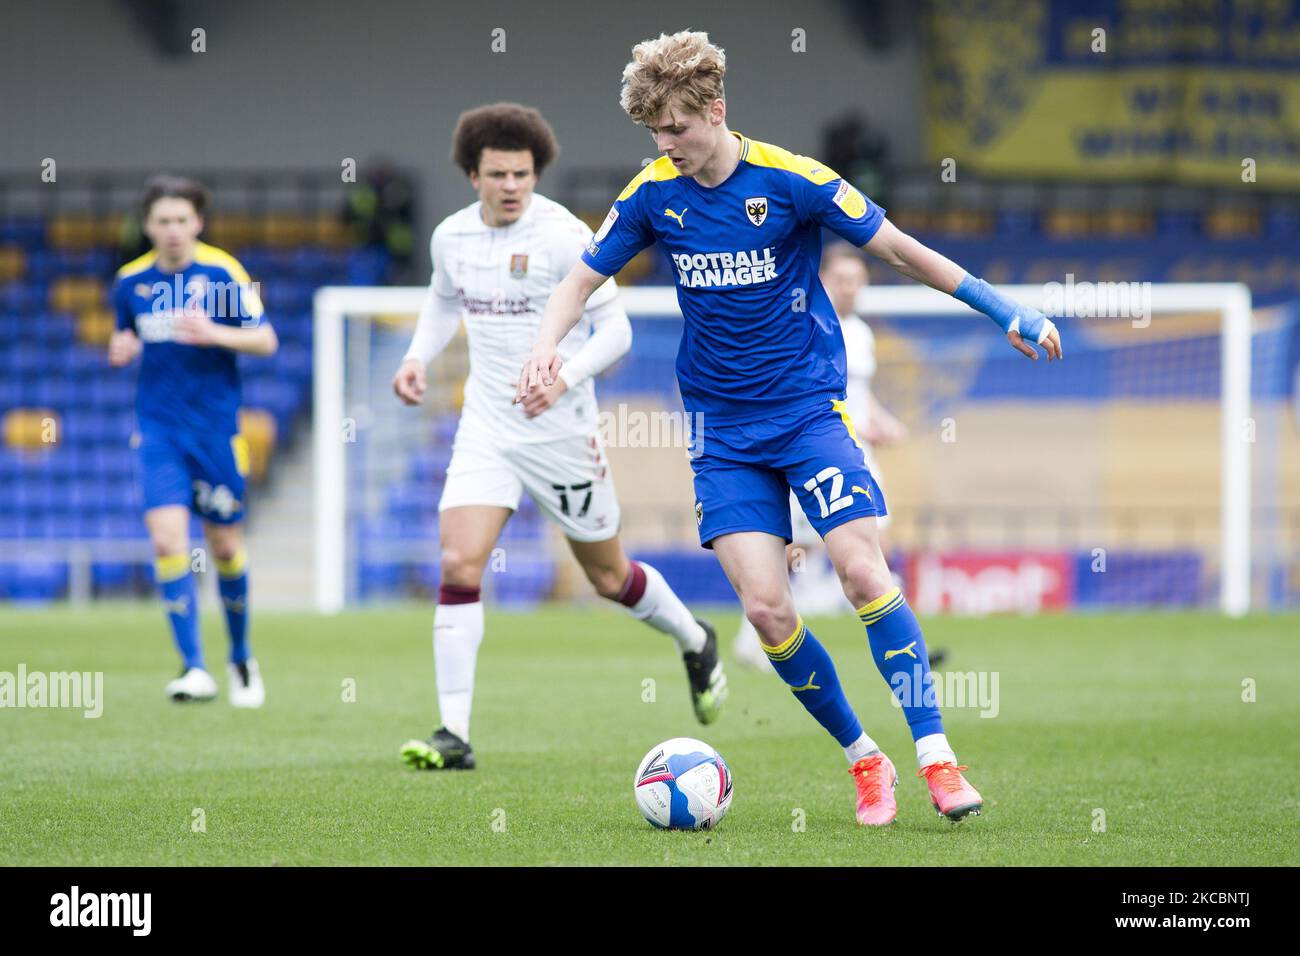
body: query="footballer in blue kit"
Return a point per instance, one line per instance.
(762, 369)
(186, 308)
(765, 372)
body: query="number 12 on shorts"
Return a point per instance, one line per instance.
(837, 501)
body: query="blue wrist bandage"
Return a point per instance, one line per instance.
(1009, 316)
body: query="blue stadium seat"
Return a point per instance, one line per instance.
(42, 266)
(36, 581)
(89, 262)
(426, 576)
(525, 581)
(84, 361)
(111, 576)
(366, 267)
(377, 580)
(20, 299)
(25, 231)
(10, 391)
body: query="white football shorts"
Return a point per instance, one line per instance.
(569, 478)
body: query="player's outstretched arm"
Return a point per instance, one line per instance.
(563, 310)
(917, 261)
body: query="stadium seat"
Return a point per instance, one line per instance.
(259, 431)
(34, 581)
(286, 231)
(95, 325)
(13, 263)
(31, 428)
(27, 232)
(72, 293)
(72, 232)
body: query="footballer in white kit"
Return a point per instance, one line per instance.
(497, 278)
(495, 264)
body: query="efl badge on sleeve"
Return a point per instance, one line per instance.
(756, 209)
(850, 200)
(518, 267)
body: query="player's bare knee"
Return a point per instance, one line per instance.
(460, 569)
(773, 618)
(224, 547)
(865, 579)
(167, 543)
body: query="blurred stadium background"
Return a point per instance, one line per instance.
(1120, 166)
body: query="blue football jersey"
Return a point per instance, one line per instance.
(188, 388)
(760, 334)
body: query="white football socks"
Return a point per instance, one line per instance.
(862, 747)
(457, 634)
(932, 748)
(664, 611)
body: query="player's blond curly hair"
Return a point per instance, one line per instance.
(682, 70)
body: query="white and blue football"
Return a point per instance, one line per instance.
(683, 784)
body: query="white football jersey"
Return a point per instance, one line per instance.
(503, 276)
(860, 352)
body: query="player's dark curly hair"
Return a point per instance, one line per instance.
(502, 126)
(173, 187)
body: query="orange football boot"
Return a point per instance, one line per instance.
(951, 795)
(875, 780)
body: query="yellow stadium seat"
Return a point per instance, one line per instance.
(108, 230)
(13, 263)
(1232, 223)
(31, 428)
(916, 220)
(231, 231)
(1122, 223)
(75, 293)
(72, 232)
(330, 232)
(257, 426)
(95, 325)
(284, 231)
(1067, 223)
(964, 222)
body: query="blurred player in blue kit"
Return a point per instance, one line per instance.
(187, 308)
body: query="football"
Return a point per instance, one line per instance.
(683, 784)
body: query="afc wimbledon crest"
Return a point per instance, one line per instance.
(756, 209)
(518, 267)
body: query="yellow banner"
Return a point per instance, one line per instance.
(1199, 93)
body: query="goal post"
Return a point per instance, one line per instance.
(336, 416)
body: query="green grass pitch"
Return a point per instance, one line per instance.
(1136, 721)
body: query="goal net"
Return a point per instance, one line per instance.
(1156, 466)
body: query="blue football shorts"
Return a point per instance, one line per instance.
(744, 473)
(203, 472)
